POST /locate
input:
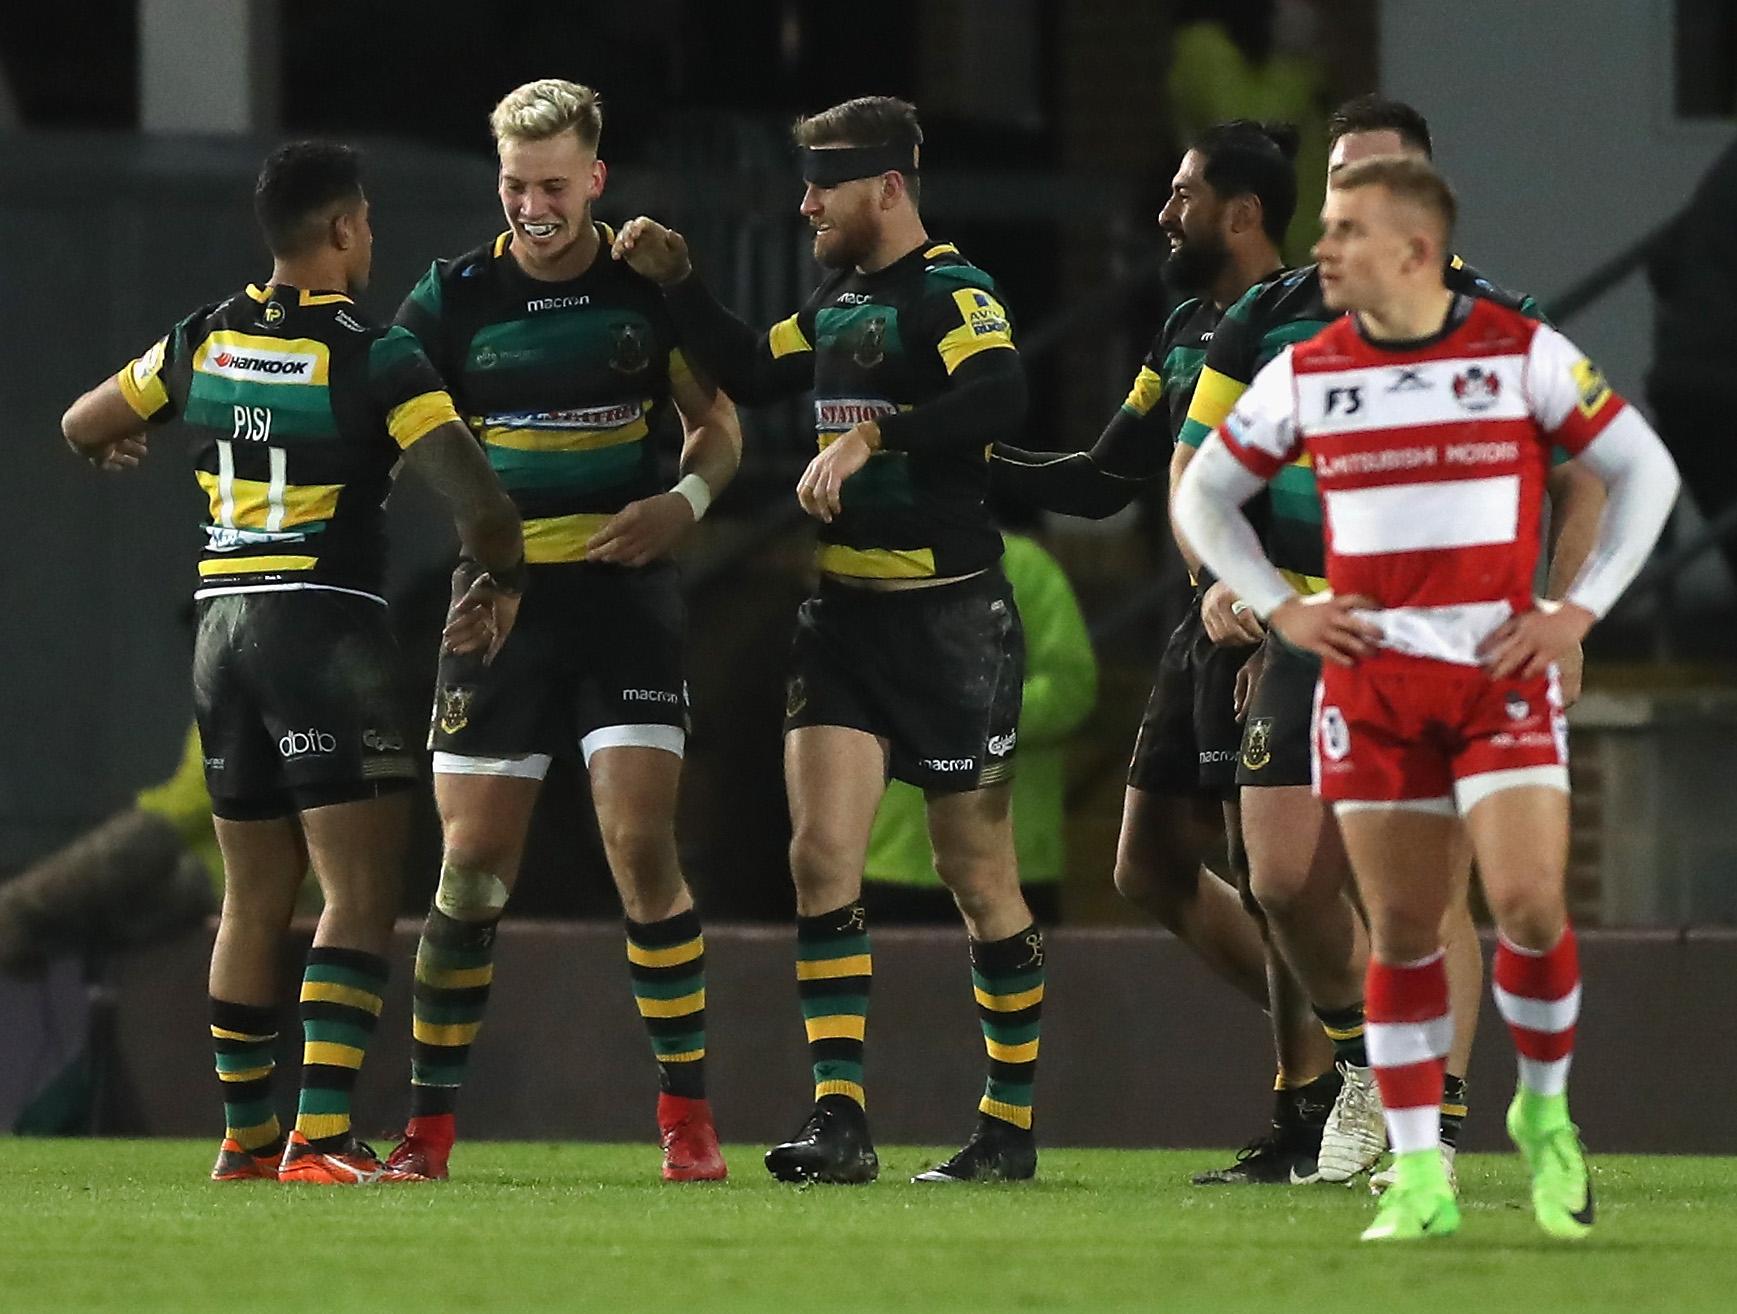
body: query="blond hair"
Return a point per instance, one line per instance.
(546, 108)
(1410, 178)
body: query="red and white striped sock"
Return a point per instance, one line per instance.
(1538, 995)
(1408, 1029)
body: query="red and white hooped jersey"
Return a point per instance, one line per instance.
(1430, 459)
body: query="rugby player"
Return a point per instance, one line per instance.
(299, 411)
(1297, 864)
(1439, 699)
(567, 366)
(909, 658)
(1230, 203)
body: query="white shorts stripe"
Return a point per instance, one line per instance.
(670, 738)
(1473, 790)
(1400, 1044)
(1546, 1015)
(531, 766)
(1440, 807)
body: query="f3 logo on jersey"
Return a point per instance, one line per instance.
(1344, 401)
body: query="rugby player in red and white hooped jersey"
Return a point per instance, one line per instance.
(1428, 417)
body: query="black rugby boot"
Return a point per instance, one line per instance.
(997, 1152)
(833, 1146)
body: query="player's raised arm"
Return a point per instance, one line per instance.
(752, 367)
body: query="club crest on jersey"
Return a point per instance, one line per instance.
(632, 353)
(870, 347)
(455, 701)
(1257, 744)
(1476, 388)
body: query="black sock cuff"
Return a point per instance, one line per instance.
(1341, 1019)
(247, 1019)
(1453, 1089)
(680, 929)
(354, 960)
(1020, 952)
(852, 919)
(451, 933)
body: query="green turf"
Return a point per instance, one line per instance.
(131, 1225)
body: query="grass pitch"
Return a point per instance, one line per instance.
(132, 1225)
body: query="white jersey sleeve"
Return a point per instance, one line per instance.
(1566, 392)
(1261, 429)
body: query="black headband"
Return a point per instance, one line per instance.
(828, 166)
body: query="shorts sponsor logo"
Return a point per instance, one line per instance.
(306, 743)
(1335, 734)
(1476, 388)
(1526, 739)
(453, 708)
(948, 764)
(1002, 745)
(383, 741)
(256, 363)
(836, 414)
(1257, 744)
(214, 764)
(1214, 756)
(650, 696)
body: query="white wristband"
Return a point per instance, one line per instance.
(697, 491)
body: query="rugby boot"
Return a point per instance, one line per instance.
(689, 1140)
(235, 1164)
(425, 1148)
(1420, 1205)
(833, 1146)
(1286, 1154)
(1355, 1135)
(997, 1152)
(1388, 1176)
(355, 1164)
(1561, 1183)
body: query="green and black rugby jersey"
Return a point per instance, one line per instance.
(300, 410)
(1172, 364)
(1270, 316)
(567, 384)
(877, 346)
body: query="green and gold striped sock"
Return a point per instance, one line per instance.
(340, 1005)
(455, 965)
(667, 961)
(244, 1037)
(1344, 1027)
(833, 971)
(1007, 978)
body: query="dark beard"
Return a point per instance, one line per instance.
(1196, 264)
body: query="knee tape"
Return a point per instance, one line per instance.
(469, 896)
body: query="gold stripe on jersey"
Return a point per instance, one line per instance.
(251, 503)
(985, 328)
(1144, 395)
(531, 438)
(141, 382)
(944, 248)
(501, 243)
(208, 358)
(678, 365)
(877, 563)
(786, 338)
(1304, 583)
(1214, 396)
(254, 565)
(551, 539)
(415, 418)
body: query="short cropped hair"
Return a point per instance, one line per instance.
(1378, 114)
(299, 181)
(1408, 178)
(1245, 158)
(546, 108)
